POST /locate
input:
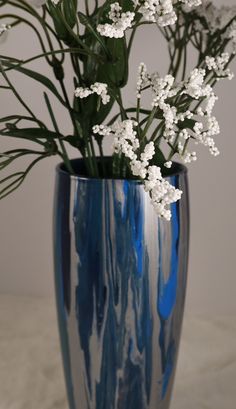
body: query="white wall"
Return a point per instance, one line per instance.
(26, 216)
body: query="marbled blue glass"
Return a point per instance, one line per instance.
(120, 275)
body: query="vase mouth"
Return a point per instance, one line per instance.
(81, 174)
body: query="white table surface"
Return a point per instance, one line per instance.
(30, 362)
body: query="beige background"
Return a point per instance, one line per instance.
(26, 216)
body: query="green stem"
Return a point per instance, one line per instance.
(24, 21)
(65, 155)
(155, 133)
(132, 36)
(95, 165)
(86, 7)
(102, 157)
(149, 122)
(184, 63)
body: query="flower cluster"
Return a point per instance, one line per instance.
(202, 125)
(162, 193)
(98, 88)
(162, 12)
(120, 22)
(219, 64)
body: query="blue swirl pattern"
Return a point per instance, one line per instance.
(120, 277)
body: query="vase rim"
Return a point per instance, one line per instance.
(177, 169)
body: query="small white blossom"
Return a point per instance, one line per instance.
(120, 22)
(184, 134)
(143, 79)
(195, 85)
(148, 153)
(218, 65)
(102, 130)
(81, 92)
(162, 12)
(190, 157)
(203, 126)
(198, 128)
(157, 11)
(163, 89)
(98, 88)
(168, 164)
(192, 3)
(125, 138)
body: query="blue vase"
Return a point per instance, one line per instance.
(120, 277)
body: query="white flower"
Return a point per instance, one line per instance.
(162, 89)
(120, 22)
(162, 12)
(211, 100)
(190, 157)
(98, 88)
(202, 129)
(192, 3)
(143, 79)
(158, 11)
(162, 195)
(195, 86)
(219, 64)
(101, 130)
(81, 92)
(126, 142)
(198, 128)
(154, 174)
(148, 153)
(168, 164)
(138, 168)
(184, 134)
(161, 192)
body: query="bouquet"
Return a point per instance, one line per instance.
(97, 38)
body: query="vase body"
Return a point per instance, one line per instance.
(120, 279)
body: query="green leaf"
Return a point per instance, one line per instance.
(159, 158)
(127, 5)
(32, 134)
(69, 9)
(60, 28)
(187, 123)
(87, 23)
(18, 178)
(37, 77)
(19, 118)
(115, 71)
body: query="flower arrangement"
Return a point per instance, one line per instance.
(98, 42)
